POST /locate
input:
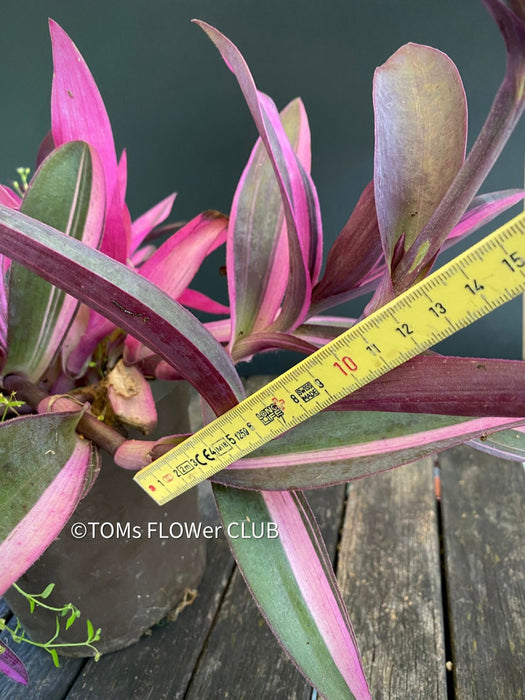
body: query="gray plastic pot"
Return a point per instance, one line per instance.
(122, 560)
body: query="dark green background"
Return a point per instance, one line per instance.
(178, 111)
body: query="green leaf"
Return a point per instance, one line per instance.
(44, 469)
(292, 580)
(71, 619)
(66, 193)
(47, 591)
(336, 447)
(33, 450)
(90, 629)
(54, 656)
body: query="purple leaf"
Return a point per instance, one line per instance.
(420, 138)
(483, 210)
(268, 340)
(294, 565)
(126, 299)
(12, 666)
(504, 114)
(445, 385)
(356, 253)
(354, 444)
(66, 192)
(44, 472)
(298, 193)
(46, 147)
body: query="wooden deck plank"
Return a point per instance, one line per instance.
(45, 681)
(242, 658)
(389, 570)
(483, 503)
(161, 664)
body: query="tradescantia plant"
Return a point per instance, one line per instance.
(86, 303)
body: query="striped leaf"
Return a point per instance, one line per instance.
(292, 581)
(67, 192)
(127, 300)
(336, 447)
(44, 469)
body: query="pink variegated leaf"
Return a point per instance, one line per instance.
(197, 300)
(354, 444)
(12, 666)
(5, 264)
(140, 256)
(319, 330)
(130, 397)
(298, 194)
(127, 300)
(175, 263)
(220, 330)
(270, 340)
(44, 471)
(77, 109)
(483, 210)
(142, 226)
(78, 113)
(445, 385)
(356, 252)
(420, 139)
(86, 332)
(258, 253)
(291, 563)
(9, 197)
(66, 192)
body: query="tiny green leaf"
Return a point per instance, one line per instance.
(47, 591)
(54, 656)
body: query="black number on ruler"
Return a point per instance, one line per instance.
(474, 287)
(404, 329)
(373, 349)
(513, 261)
(437, 309)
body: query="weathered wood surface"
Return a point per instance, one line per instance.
(389, 570)
(389, 567)
(484, 527)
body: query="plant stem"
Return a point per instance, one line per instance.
(89, 426)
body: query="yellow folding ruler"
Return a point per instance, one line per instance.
(487, 275)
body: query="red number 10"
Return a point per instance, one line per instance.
(348, 363)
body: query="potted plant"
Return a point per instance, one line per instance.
(422, 199)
